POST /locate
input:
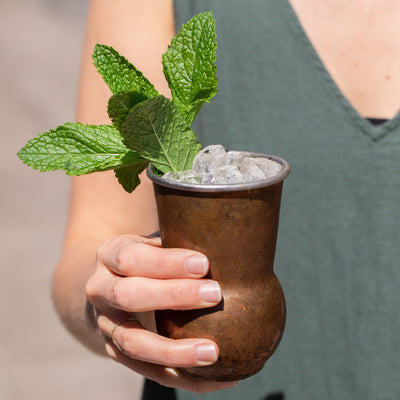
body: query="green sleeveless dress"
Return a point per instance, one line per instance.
(338, 253)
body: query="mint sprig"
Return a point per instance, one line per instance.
(158, 132)
(119, 74)
(120, 104)
(189, 65)
(78, 149)
(146, 127)
(128, 176)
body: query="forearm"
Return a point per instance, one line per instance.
(68, 292)
(100, 209)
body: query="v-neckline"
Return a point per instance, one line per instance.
(373, 132)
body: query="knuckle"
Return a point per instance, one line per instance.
(124, 257)
(102, 250)
(175, 292)
(126, 342)
(119, 294)
(169, 353)
(89, 288)
(116, 253)
(92, 287)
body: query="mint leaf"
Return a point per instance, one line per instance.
(152, 128)
(120, 104)
(189, 65)
(119, 74)
(78, 149)
(157, 130)
(128, 176)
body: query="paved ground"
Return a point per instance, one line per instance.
(40, 44)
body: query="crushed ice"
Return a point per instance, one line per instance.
(215, 165)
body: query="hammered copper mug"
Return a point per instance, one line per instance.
(236, 227)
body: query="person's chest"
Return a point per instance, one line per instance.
(359, 43)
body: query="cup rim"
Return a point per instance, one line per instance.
(191, 187)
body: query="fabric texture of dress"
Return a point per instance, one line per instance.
(338, 245)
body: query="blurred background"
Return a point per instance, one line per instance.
(40, 46)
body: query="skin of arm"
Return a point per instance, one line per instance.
(99, 209)
(105, 262)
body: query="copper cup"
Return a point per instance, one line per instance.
(236, 227)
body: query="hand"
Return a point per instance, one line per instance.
(135, 276)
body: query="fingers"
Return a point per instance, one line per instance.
(156, 357)
(131, 255)
(138, 343)
(134, 274)
(137, 294)
(166, 376)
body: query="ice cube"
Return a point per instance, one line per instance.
(214, 165)
(207, 178)
(256, 168)
(183, 176)
(269, 167)
(209, 159)
(235, 158)
(251, 171)
(227, 174)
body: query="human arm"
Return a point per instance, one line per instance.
(103, 220)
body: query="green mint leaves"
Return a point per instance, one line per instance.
(128, 176)
(146, 127)
(119, 74)
(77, 149)
(120, 104)
(189, 65)
(82, 149)
(158, 132)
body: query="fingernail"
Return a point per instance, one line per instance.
(197, 265)
(206, 353)
(211, 292)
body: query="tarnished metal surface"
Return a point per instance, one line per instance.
(237, 231)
